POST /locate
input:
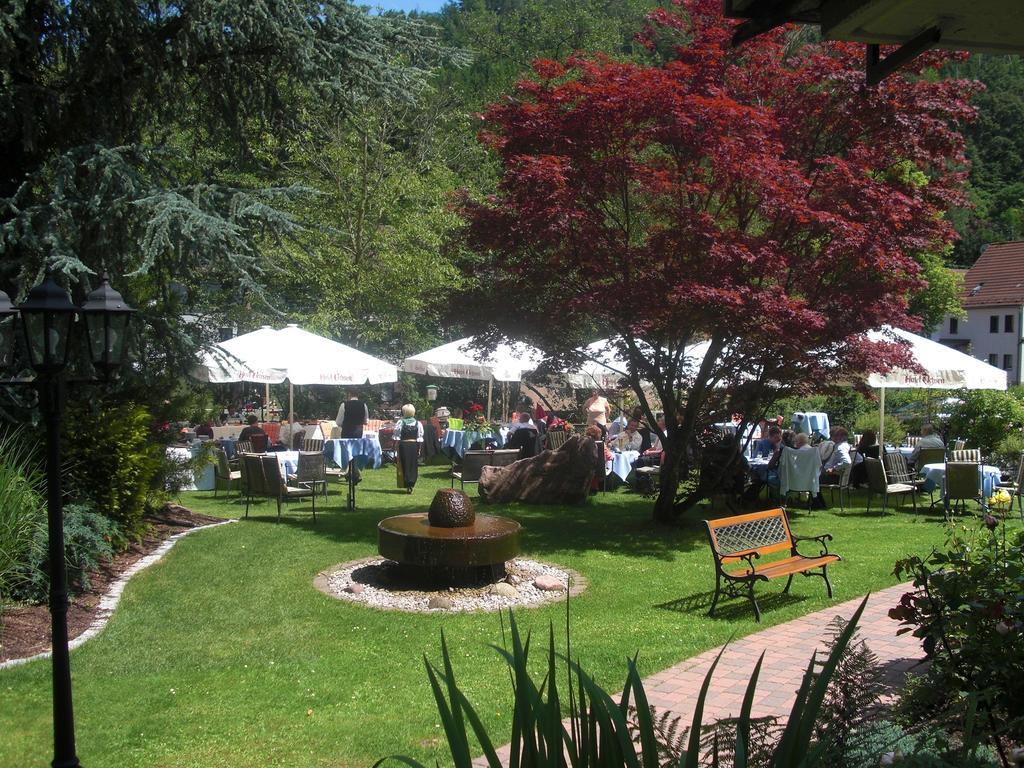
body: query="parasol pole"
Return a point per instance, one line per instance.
(490, 392)
(881, 421)
(266, 401)
(291, 402)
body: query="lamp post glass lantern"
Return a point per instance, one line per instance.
(47, 317)
(7, 315)
(106, 324)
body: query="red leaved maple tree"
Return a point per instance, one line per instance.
(763, 200)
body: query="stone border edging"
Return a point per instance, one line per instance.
(321, 584)
(109, 601)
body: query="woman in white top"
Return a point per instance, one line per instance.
(597, 409)
(409, 434)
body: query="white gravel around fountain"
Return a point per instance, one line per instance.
(527, 583)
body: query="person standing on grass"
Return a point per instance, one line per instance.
(353, 415)
(598, 410)
(409, 435)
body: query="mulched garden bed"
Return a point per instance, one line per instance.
(25, 631)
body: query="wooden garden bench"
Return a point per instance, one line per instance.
(745, 538)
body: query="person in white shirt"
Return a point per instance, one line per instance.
(629, 439)
(524, 422)
(836, 464)
(928, 440)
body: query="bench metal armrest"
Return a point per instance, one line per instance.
(822, 540)
(748, 556)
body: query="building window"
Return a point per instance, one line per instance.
(993, 359)
(954, 325)
(1007, 362)
(1008, 323)
(993, 324)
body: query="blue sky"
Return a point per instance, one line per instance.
(405, 5)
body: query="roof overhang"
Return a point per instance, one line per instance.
(989, 26)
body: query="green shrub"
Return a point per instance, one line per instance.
(89, 539)
(22, 511)
(1007, 453)
(895, 431)
(113, 462)
(931, 747)
(967, 611)
(984, 418)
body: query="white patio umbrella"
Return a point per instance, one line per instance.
(603, 370)
(269, 356)
(944, 368)
(458, 360)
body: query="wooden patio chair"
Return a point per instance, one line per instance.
(879, 485)
(223, 474)
(275, 486)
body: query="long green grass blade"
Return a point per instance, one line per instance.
(742, 752)
(645, 724)
(486, 745)
(457, 741)
(464, 756)
(611, 721)
(690, 758)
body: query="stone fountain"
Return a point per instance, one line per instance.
(450, 545)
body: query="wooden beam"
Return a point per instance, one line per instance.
(878, 68)
(764, 16)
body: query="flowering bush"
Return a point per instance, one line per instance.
(966, 607)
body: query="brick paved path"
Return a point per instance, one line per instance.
(788, 650)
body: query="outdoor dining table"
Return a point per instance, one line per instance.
(460, 440)
(621, 463)
(935, 475)
(349, 452)
(203, 480)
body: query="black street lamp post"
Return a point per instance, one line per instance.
(47, 320)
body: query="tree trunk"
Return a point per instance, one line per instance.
(668, 481)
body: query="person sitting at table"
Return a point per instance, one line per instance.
(286, 434)
(205, 429)
(764, 474)
(252, 428)
(523, 436)
(649, 457)
(629, 439)
(832, 469)
(866, 446)
(928, 440)
(409, 436)
(522, 422)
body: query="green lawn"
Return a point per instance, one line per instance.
(224, 654)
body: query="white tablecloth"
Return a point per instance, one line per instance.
(621, 463)
(364, 450)
(203, 480)
(936, 475)
(231, 431)
(459, 440)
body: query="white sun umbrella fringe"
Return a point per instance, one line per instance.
(291, 354)
(941, 368)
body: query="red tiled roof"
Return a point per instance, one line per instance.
(997, 277)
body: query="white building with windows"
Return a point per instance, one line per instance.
(994, 302)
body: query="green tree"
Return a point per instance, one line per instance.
(374, 268)
(995, 147)
(134, 139)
